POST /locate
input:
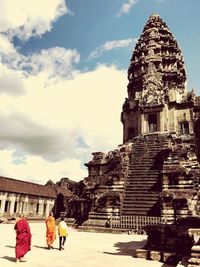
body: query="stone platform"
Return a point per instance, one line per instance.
(161, 256)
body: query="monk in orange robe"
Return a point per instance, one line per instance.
(50, 230)
(23, 237)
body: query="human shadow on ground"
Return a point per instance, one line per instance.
(44, 247)
(127, 248)
(9, 258)
(8, 246)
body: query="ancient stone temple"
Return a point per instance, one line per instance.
(154, 175)
(158, 117)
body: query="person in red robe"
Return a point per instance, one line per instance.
(23, 237)
(50, 230)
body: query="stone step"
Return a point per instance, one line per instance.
(144, 170)
(135, 214)
(137, 209)
(142, 179)
(149, 151)
(144, 189)
(141, 160)
(149, 173)
(140, 176)
(145, 174)
(141, 195)
(134, 190)
(136, 206)
(141, 170)
(141, 184)
(140, 199)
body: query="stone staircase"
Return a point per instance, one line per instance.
(143, 183)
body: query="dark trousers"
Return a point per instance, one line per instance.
(62, 240)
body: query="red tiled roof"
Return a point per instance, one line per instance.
(23, 187)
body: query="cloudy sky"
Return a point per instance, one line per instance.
(63, 78)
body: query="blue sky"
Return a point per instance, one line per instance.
(63, 78)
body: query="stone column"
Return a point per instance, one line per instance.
(20, 206)
(12, 204)
(142, 125)
(3, 202)
(165, 119)
(41, 207)
(47, 207)
(25, 204)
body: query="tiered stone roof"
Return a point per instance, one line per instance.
(156, 65)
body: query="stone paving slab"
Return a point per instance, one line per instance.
(83, 249)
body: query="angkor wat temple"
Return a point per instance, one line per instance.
(155, 172)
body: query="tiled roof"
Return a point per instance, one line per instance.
(23, 187)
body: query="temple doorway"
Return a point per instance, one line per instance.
(152, 122)
(59, 205)
(184, 127)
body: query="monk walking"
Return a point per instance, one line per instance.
(23, 238)
(50, 230)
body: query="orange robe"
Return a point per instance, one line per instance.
(50, 230)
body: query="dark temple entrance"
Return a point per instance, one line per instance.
(59, 205)
(152, 122)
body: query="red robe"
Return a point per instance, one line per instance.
(23, 238)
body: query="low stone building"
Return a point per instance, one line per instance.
(34, 200)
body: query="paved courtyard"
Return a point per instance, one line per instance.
(83, 249)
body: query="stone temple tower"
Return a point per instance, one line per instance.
(158, 118)
(156, 88)
(155, 172)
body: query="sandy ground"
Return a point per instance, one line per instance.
(82, 249)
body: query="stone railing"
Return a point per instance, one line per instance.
(134, 223)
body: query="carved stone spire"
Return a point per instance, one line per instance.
(156, 65)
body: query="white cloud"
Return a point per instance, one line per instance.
(10, 81)
(54, 63)
(38, 170)
(53, 116)
(126, 7)
(56, 126)
(6, 46)
(110, 45)
(24, 18)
